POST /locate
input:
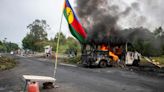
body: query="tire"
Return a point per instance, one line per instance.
(103, 64)
(135, 63)
(89, 63)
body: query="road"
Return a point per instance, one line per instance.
(79, 79)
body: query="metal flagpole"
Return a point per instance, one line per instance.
(57, 47)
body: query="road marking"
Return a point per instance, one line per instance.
(67, 64)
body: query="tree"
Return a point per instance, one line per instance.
(65, 43)
(8, 46)
(146, 42)
(62, 38)
(0, 43)
(11, 46)
(72, 45)
(34, 40)
(159, 34)
(2, 47)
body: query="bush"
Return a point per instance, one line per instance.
(73, 60)
(6, 63)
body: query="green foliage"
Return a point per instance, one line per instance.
(11, 46)
(159, 35)
(6, 63)
(62, 38)
(28, 42)
(72, 43)
(65, 43)
(146, 42)
(158, 32)
(159, 59)
(3, 48)
(35, 40)
(73, 60)
(1, 43)
(8, 46)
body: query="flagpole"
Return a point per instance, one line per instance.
(57, 47)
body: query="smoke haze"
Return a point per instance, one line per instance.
(119, 21)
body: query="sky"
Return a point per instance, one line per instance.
(16, 15)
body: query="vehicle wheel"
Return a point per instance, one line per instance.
(135, 63)
(89, 63)
(103, 64)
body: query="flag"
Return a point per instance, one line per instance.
(75, 27)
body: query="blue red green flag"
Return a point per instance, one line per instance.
(75, 27)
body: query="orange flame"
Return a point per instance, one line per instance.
(104, 47)
(115, 57)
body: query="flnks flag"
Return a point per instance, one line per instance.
(75, 27)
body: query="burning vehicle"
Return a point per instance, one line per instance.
(104, 55)
(101, 53)
(106, 42)
(91, 55)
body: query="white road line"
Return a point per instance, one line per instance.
(67, 64)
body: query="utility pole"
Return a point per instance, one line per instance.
(4, 42)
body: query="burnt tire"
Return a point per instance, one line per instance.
(89, 63)
(136, 63)
(103, 64)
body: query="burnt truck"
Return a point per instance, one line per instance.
(92, 56)
(95, 55)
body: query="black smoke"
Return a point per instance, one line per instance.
(102, 19)
(144, 41)
(101, 23)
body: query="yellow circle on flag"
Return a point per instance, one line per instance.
(70, 15)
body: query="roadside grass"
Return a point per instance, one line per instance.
(143, 60)
(160, 59)
(72, 60)
(6, 63)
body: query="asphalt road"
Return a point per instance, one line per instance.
(79, 79)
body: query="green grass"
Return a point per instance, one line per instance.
(159, 59)
(72, 60)
(143, 60)
(6, 63)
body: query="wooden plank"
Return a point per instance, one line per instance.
(155, 63)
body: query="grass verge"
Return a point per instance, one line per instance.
(72, 60)
(160, 59)
(6, 63)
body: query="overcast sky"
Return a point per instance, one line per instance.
(15, 15)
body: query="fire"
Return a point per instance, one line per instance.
(115, 57)
(111, 53)
(104, 47)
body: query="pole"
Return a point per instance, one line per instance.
(57, 47)
(126, 47)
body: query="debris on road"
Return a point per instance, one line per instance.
(153, 62)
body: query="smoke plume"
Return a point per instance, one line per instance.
(105, 21)
(101, 17)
